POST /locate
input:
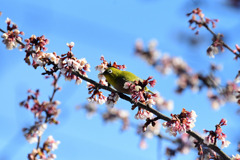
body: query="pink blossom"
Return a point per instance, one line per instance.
(52, 144)
(217, 135)
(180, 123)
(12, 36)
(112, 99)
(143, 114)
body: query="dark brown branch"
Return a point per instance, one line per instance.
(2, 31)
(55, 87)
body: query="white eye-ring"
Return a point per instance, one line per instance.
(109, 71)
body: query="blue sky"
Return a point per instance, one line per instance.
(109, 28)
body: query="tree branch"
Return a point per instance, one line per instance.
(223, 43)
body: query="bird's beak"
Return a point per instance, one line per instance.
(101, 75)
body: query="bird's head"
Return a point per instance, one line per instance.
(111, 73)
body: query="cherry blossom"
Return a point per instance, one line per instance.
(213, 136)
(181, 123)
(11, 38)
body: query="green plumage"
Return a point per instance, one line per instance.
(117, 79)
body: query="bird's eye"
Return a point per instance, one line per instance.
(109, 71)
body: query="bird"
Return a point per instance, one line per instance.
(118, 78)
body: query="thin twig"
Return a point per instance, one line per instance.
(223, 43)
(55, 89)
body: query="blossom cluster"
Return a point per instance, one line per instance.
(113, 114)
(180, 123)
(112, 99)
(228, 93)
(206, 153)
(44, 152)
(105, 64)
(213, 136)
(101, 68)
(69, 64)
(96, 94)
(38, 108)
(151, 54)
(140, 92)
(108, 115)
(217, 43)
(35, 49)
(90, 108)
(32, 133)
(143, 114)
(49, 108)
(13, 36)
(200, 21)
(167, 64)
(36, 44)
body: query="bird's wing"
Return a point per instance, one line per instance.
(130, 77)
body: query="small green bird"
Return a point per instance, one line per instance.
(118, 78)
